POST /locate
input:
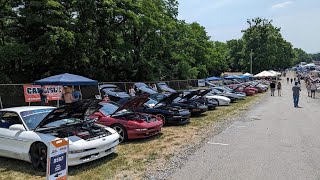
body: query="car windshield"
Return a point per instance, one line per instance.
(111, 108)
(153, 103)
(114, 89)
(32, 118)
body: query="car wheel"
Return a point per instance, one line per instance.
(38, 154)
(162, 117)
(218, 102)
(121, 131)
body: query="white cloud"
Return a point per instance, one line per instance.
(281, 5)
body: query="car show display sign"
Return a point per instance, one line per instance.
(57, 161)
(31, 93)
(201, 83)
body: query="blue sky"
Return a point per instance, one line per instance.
(299, 20)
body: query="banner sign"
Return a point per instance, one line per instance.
(57, 160)
(31, 93)
(201, 83)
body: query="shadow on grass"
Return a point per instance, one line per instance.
(143, 140)
(74, 170)
(8, 164)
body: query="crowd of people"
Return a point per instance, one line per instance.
(69, 95)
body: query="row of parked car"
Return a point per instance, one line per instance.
(95, 127)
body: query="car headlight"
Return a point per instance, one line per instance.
(141, 129)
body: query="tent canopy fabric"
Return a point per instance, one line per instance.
(265, 74)
(244, 77)
(275, 72)
(231, 77)
(213, 78)
(247, 74)
(66, 80)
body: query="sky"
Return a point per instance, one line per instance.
(299, 20)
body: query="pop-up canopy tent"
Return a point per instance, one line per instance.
(275, 73)
(265, 74)
(66, 79)
(248, 74)
(213, 78)
(231, 77)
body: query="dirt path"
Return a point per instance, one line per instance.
(274, 140)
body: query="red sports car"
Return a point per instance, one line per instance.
(128, 124)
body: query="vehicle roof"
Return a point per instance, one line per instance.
(26, 108)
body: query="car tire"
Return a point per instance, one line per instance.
(162, 117)
(121, 131)
(38, 155)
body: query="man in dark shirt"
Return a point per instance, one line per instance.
(272, 87)
(296, 93)
(43, 96)
(287, 80)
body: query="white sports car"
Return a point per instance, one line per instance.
(26, 131)
(222, 101)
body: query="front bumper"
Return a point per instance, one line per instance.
(94, 152)
(135, 134)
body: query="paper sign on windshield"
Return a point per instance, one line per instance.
(57, 160)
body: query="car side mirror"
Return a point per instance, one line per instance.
(17, 127)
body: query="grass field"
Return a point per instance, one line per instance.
(133, 158)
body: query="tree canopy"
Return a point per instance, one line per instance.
(126, 40)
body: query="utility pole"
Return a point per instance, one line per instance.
(251, 53)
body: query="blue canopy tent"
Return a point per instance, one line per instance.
(244, 77)
(67, 79)
(231, 77)
(213, 78)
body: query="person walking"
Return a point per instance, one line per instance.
(308, 86)
(313, 89)
(296, 93)
(279, 88)
(272, 87)
(287, 80)
(291, 80)
(132, 92)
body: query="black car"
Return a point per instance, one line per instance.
(113, 91)
(169, 114)
(186, 102)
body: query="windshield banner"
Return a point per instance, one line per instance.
(31, 92)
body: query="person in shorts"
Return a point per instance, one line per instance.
(313, 89)
(279, 88)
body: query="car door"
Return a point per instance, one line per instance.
(11, 143)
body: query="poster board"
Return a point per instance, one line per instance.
(31, 92)
(57, 160)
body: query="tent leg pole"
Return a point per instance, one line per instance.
(80, 93)
(1, 105)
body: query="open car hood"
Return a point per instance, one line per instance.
(80, 110)
(144, 88)
(133, 103)
(204, 92)
(191, 94)
(168, 99)
(164, 87)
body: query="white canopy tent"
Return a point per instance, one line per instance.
(248, 74)
(275, 72)
(265, 74)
